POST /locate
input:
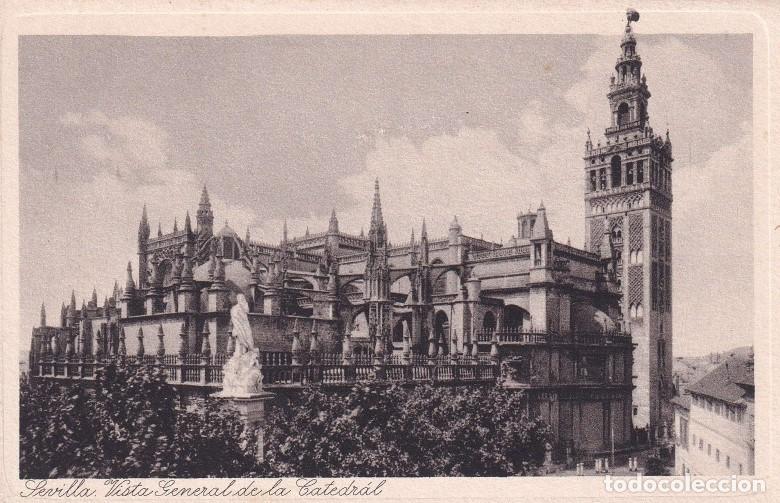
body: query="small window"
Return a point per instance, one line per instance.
(728, 462)
(616, 171)
(630, 173)
(740, 468)
(701, 444)
(640, 172)
(623, 114)
(717, 455)
(709, 449)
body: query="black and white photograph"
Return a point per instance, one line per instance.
(359, 257)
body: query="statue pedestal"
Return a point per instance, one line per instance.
(251, 409)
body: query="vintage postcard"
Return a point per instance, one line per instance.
(421, 251)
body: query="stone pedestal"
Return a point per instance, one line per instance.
(251, 409)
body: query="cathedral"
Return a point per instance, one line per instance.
(587, 330)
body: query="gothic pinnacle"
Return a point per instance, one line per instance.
(333, 224)
(94, 297)
(175, 225)
(43, 314)
(204, 197)
(159, 229)
(187, 224)
(129, 284)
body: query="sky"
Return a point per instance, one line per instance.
(278, 127)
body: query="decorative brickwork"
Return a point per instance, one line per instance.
(616, 221)
(636, 239)
(596, 231)
(635, 285)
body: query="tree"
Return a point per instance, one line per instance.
(129, 426)
(376, 430)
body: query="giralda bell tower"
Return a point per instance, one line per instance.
(628, 219)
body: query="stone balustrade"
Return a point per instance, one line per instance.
(281, 370)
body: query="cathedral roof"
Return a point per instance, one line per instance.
(227, 231)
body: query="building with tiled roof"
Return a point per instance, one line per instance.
(714, 422)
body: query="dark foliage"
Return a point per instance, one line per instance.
(128, 426)
(375, 430)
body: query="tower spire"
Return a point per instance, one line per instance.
(129, 284)
(43, 314)
(143, 227)
(204, 197)
(377, 231)
(187, 224)
(333, 224)
(205, 217)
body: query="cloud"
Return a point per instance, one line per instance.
(719, 197)
(471, 174)
(127, 145)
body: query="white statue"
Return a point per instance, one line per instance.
(242, 372)
(239, 316)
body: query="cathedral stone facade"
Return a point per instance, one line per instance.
(349, 306)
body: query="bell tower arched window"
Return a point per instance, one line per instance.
(615, 171)
(623, 114)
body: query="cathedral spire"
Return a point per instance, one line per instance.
(129, 284)
(205, 217)
(43, 314)
(143, 227)
(333, 224)
(204, 197)
(377, 231)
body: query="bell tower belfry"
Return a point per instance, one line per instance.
(628, 208)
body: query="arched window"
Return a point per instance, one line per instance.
(489, 322)
(622, 114)
(615, 171)
(398, 332)
(440, 280)
(617, 234)
(632, 311)
(639, 312)
(630, 173)
(515, 318)
(441, 330)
